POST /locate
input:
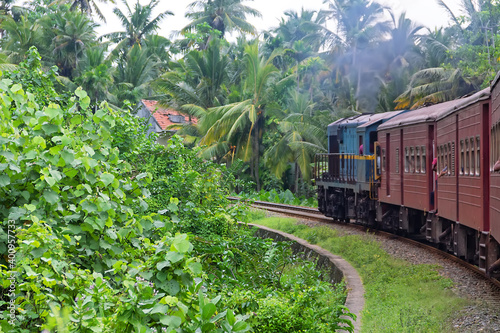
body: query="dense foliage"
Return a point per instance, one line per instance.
(88, 255)
(103, 230)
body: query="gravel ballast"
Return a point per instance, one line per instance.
(483, 313)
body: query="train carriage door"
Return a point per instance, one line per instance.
(388, 163)
(430, 175)
(484, 165)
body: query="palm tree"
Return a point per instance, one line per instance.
(134, 72)
(198, 79)
(301, 138)
(158, 46)
(359, 25)
(19, 37)
(73, 33)
(402, 41)
(312, 70)
(244, 120)
(5, 64)
(138, 23)
(436, 85)
(306, 27)
(223, 15)
(402, 56)
(85, 6)
(436, 46)
(96, 76)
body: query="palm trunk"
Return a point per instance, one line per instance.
(256, 155)
(358, 84)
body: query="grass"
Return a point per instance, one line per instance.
(399, 296)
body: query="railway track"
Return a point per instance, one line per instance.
(314, 214)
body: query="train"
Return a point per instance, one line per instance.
(430, 173)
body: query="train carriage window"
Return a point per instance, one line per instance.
(424, 161)
(444, 162)
(397, 160)
(492, 148)
(467, 160)
(446, 158)
(496, 153)
(440, 158)
(478, 156)
(452, 158)
(449, 159)
(417, 155)
(497, 143)
(462, 157)
(472, 157)
(407, 160)
(383, 159)
(412, 159)
(497, 146)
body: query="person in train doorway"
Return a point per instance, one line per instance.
(496, 167)
(438, 175)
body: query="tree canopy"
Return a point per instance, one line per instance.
(265, 99)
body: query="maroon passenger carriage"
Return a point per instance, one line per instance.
(462, 148)
(453, 211)
(492, 248)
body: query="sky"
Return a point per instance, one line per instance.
(424, 12)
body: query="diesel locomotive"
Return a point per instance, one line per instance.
(427, 173)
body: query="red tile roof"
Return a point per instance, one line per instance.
(162, 115)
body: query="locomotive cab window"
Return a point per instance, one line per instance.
(373, 139)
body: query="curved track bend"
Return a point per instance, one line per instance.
(314, 214)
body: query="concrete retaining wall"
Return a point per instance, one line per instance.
(337, 267)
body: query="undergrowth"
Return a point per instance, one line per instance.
(399, 296)
(282, 197)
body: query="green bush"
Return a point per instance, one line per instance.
(88, 255)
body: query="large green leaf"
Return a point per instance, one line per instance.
(4, 180)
